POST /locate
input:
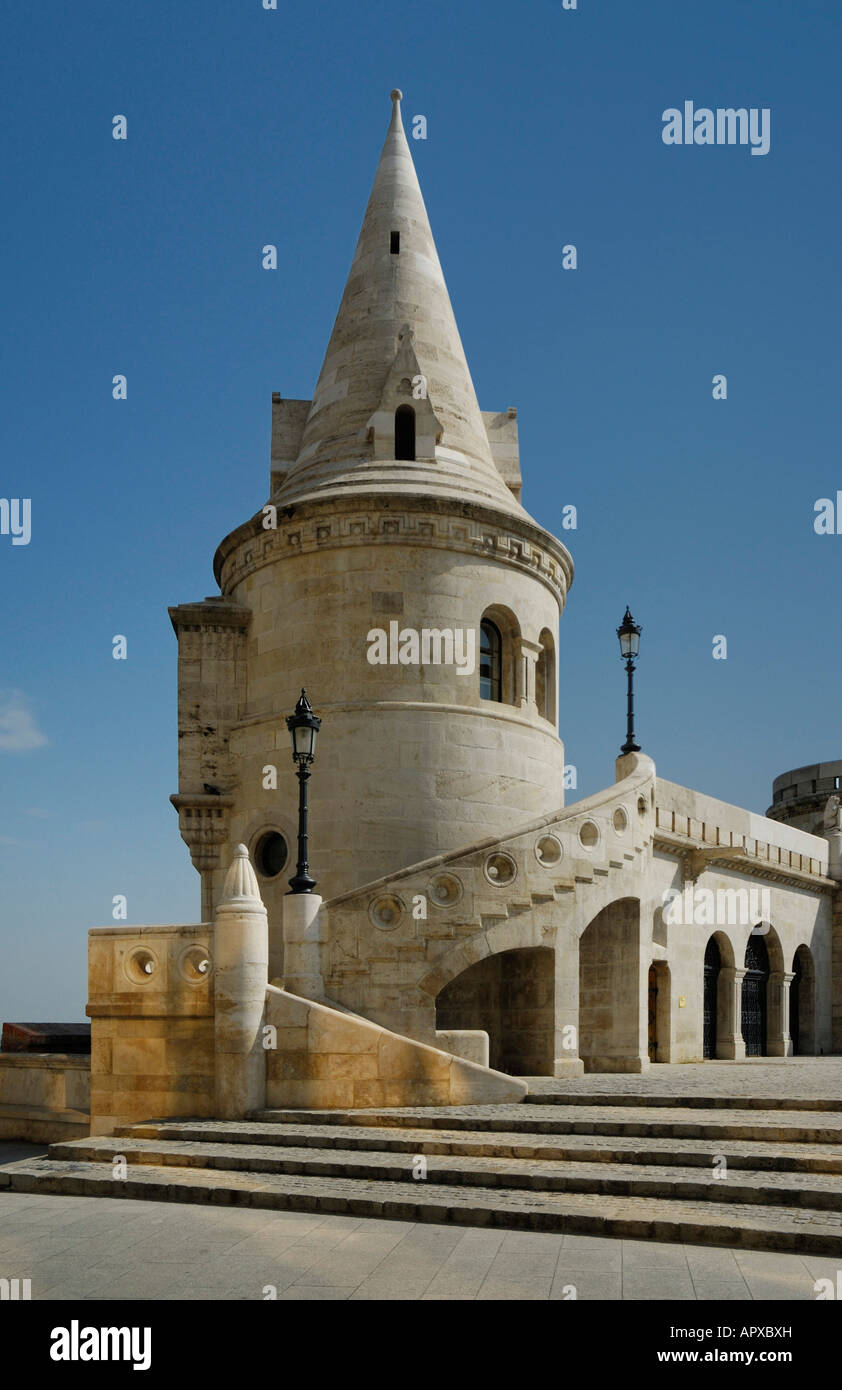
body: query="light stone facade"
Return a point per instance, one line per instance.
(469, 927)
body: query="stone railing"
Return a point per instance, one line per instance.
(764, 845)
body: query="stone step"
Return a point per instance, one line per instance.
(811, 1127)
(583, 1148)
(710, 1223)
(821, 1193)
(630, 1100)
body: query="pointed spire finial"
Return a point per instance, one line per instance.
(396, 123)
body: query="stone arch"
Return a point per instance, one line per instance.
(545, 677)
(717, 995)
(507, 625)
(506, 936)
(777, 1040)
(802, 1003)
(727, 952)
(509, 995)
(610, 1011)
(755, 1022)
(774, 948)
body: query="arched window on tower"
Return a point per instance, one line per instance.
(490, 661)
(405, 432)
(500, 656)
(545, 677)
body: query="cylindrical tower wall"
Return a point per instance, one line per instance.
(412, 761)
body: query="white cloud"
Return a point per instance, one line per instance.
(19, 733)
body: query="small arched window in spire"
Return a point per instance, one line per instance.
(395, 243)
(490, 661)
(405, 432)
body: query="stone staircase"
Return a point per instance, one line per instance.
(633, 1166)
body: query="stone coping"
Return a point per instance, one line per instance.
(51, 1061)
(156, 930)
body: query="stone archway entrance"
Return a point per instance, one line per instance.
(795, 1006)
(611, 978)
(511, 997)
(754, 1003)
(802, 1003)
(713, 964)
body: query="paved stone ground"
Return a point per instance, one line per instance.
(803, 1077)
(85, 1248)
(81, 1248)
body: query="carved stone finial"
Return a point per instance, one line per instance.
(833, 814)
(240, 880)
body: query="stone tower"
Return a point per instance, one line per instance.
(799, 797)
(395, 508)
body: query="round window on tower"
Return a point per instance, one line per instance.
(270, 854)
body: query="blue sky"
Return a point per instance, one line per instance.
(142, 257)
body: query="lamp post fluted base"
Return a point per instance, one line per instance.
(302, 883)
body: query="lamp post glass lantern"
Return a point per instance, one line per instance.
(629, 637)
(303, 727)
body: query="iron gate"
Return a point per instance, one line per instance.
(794, 1005)
(753, 1009)
(711, 991)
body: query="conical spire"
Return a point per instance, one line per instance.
(395, 342)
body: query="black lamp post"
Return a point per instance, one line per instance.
(303, 726)
(629, 635)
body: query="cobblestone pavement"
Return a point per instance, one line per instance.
(81, 1248)
(784, 1077)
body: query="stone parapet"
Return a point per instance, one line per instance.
(152, 1023)
(44, 1097)
(327, 1058)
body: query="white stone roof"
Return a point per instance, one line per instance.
(395, 323)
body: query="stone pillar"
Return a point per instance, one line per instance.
(778, 1038)
(566, 1060)
(241, 968)
(207, 894)
(729, 1030)
(305, 932)
(529, 653)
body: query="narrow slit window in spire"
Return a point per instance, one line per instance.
(395, 243)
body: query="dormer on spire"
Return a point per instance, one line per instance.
(405, 391)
